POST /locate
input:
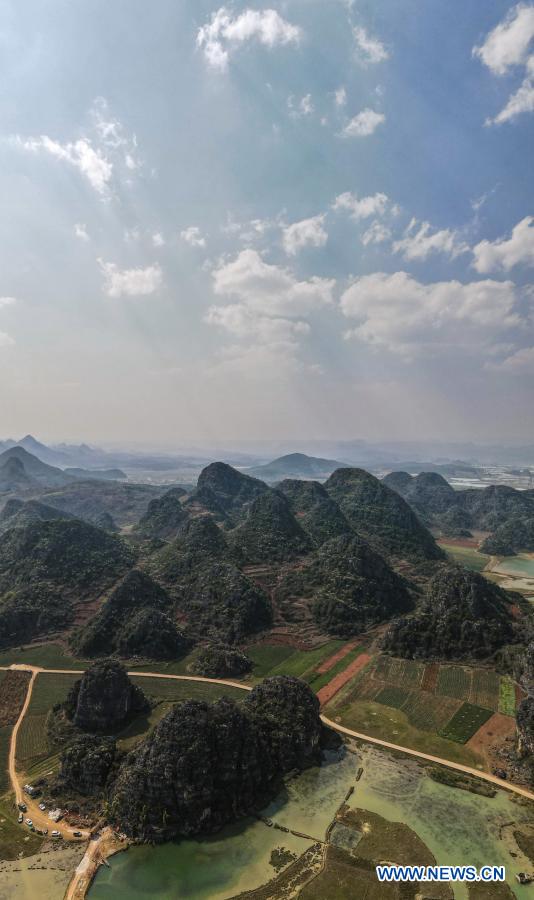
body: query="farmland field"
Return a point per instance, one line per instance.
(454, 681)
(485, 689)
(467, 556)
(267, 657)
(170, 690)
(32, 742)
(507, 697)
(465, 723)
(5, 737)
(393, 696)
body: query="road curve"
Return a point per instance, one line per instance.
(458, 767)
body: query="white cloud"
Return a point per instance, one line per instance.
(519, 363)
(491, 256)
(377, 233)
(302, 107)
(225, 32)
(130, 282)
(420, 243)
(369, 49)
(243, 322)
(364, 207)
(269, 289)
(340, 96)
(7, 301)
(158, 240)
(193, 236)
(307, 233)
(364, 124)
(80, 231)
(96, 157)
(520, 102)
(410, 318)
(80, 154)
(507, 45)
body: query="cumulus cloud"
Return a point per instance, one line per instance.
(266, 311)
(377, 233)
(506, 47)
(80, 231)
(307, 233)
(364, 124)
(270, 289)
(226, 31)
(193, 236)
(419, 241)
(362, 207)
(7, 301)
(158, 240)
(130, 282)
(410, 318)
(491, 256)
(5, 339)
(369, 50)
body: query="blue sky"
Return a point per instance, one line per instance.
(302, 219)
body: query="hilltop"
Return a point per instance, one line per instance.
(296, 465)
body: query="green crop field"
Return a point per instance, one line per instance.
(429, 712)
(49, 689)
(302, 661)
(267, 657)
(507, 696)
(174, 690)
(392, 696)
(454, 681)
(49, 656)
(466, 556)
(32, 741)
(485, 689)
(465, 723)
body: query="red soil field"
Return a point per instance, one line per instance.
(329, 663)
(330, 690)
(430, 677)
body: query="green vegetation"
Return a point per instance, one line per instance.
(32, 740)
(49, 688)
(302, 661)
(49, 656)
(507, 701)
(171, 690)
(393, 696)
(14, 841)
(485, 689)
(465, 723)
(463, 782)
(267, 657)
(469, 557)
(5, 737)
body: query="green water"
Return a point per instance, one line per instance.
(457, 827)
(523, 566)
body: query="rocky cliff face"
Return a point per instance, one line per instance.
(205, 765)
(316, 512)
(464, 615)
(511, 537)
(220, 661)
(270, 532)
(85, 765)
(525, 728)
(104, 699)
(225, 492)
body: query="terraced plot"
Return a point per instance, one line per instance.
(395, 697)
(465, 723)
(507, 698)
(428, 712)
(485, 689)
(454, 681)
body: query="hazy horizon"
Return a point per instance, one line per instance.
(299, 217)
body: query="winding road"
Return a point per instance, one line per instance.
(94, 853)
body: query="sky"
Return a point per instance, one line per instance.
(298, 219)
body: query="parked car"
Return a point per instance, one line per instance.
(42, 807)
(22, 807)
(29, 823)
(21, 818)
(56, 834)
(77, 834)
